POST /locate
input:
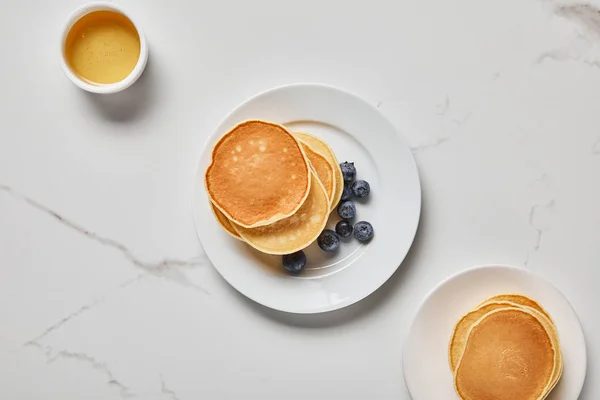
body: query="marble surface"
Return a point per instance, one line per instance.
(105, 292)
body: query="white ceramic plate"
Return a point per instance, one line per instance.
(426, 369)
(356, 131)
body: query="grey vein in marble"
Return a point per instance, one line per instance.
(166, 391)
(421, 148)
(463, 120)
(124, 391)
(586, 15)
(64, 320)
(166, 268)
(541, 179)
(596, 146)
(442, 109)
(78, 312)
(567, 54)
(539, 231)
(583, 47)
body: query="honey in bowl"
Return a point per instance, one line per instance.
(102, 47)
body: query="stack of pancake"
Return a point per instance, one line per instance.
(272, 188)
(505, 349)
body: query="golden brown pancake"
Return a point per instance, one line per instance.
(323, 149)
(552, 331)
(525, 301)
(323, 169)
(459, 337)
(293, 233)
(518, 299)
(461, 331)
(258, 175)
(224, 222)
(509, 355)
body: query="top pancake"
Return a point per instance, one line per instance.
(528, 303)
(509, 355)
(258, 175)
(293, 233)
(463, 328)
(323, 149)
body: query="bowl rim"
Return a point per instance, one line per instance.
(130, 79)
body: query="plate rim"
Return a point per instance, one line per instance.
(489, 266)
(397, 133)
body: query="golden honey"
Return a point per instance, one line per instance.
(102, 47)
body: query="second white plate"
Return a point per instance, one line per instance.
(356, 131)
(425, 357)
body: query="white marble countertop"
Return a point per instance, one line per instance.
(104, 289)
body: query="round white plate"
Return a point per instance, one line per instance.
(356, 131)
(426, 369)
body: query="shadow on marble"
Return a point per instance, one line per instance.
(132, 103)
(357, 310)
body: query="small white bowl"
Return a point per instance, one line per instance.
(102, 87)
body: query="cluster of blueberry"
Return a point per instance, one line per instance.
(329, 240)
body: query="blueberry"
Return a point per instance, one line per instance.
(361, 189)
(347, 193)
(348, 170)
(328, 240)
(363, 231)
(294, 262)
(346, 209)
(344, 228)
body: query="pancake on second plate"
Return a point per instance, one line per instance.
(462, 329)
(323, 169)
(519, 299)
(258, 174)
(509, 355)
(459, 336)
(295, 232)
(319, 146)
